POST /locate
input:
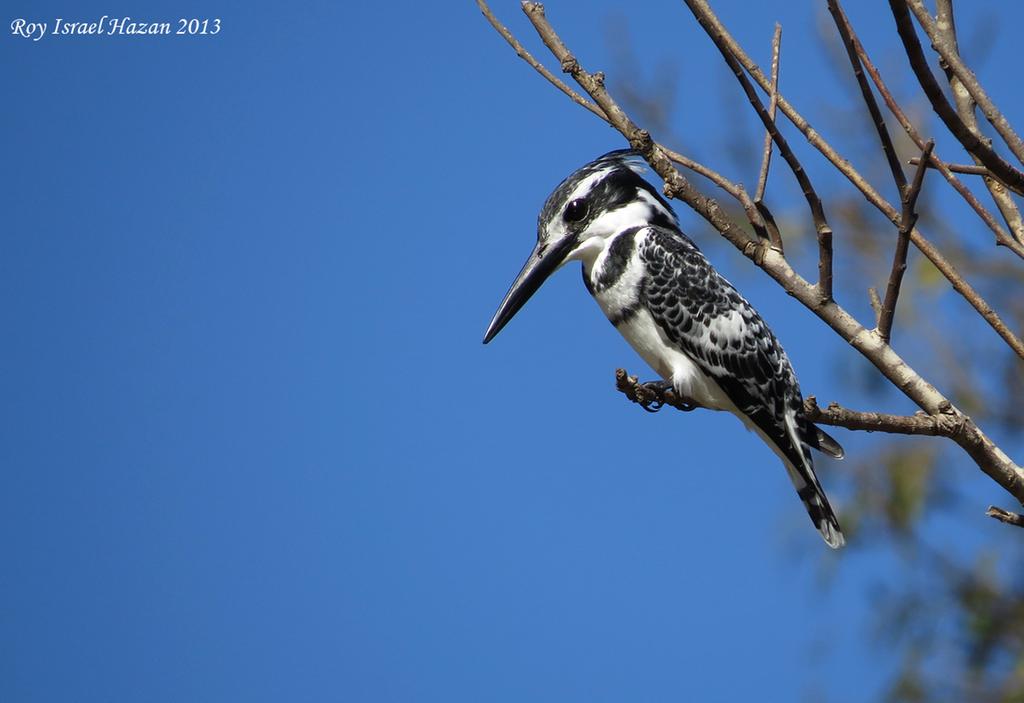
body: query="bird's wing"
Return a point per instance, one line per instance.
(707, 318)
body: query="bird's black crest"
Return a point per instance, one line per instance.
(618, 187)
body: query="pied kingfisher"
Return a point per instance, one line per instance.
(686, 321)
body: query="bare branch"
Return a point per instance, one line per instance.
(762, 180)
(821, 225)
(758, 216)
(675, 184)
(876, 303)
(899, 259)
(526, 56)
(968, 169)
(944, 42)
(1006, 516)
(965, 109)
(846, 34)
(909, 197)
(825, 263)
(838, 416)
(755, 214)
(940, 262)
(653, 396)
(908, 194)
(773, 229)
(773, 104)
(1002, 170)
(986, 454)
(1002, 237)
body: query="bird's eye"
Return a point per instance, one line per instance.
(576, 210)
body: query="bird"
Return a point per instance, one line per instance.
(686, 321)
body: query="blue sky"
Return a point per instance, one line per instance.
(253, 448)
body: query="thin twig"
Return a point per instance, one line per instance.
(821, 225)
(736, 190)
(774, 235)
(526, 56)
(965, 108)
(1002, 236)
(944, 42)
(1002, 170)
(834, 415)
(1005, 516)
(755, 214)
(758, 214)
(876, 303)
(837, 416)
(945, 267)
(908, 194)
(656, 155)
(762, 180)
(888, 148)
(899, 259)
(825, 263)
(969, 169)
(982, 450)
(773, 104)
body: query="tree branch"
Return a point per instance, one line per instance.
(846, 34)
(940, 262)
(876, 303)
(653, 396)
(1002, 237)
(762, 180)
(899, 260)
(526, 56)
(757, 214)
(944, 42)
(1005, 516)
(773, 104)
(969, 169)
(821, 226)
(989, 457)
(1002, 170)
(657, 156)
(838, 416)
(946, 29)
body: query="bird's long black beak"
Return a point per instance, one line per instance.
(541, 264)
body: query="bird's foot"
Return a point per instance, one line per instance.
(652, 396)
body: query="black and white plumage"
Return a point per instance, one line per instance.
(686, 321)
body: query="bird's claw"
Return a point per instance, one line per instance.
(654, 395)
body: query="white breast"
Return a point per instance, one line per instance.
(671, 363)
(647, 338)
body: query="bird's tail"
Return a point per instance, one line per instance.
(822, 515)
(795, 452)
(800, 467)
(822, 441)
(807, 487)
